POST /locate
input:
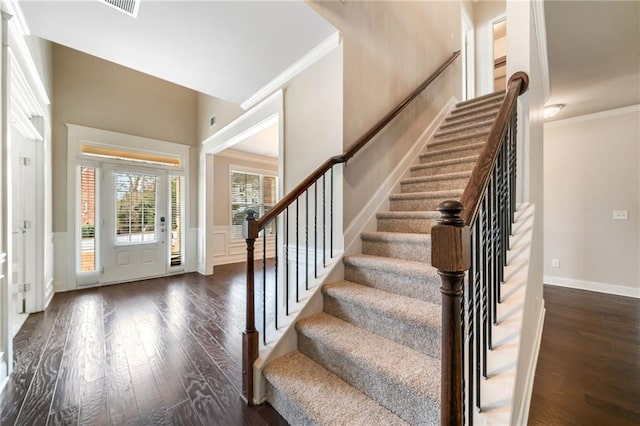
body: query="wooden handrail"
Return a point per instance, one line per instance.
(357, 146)
(518, 84)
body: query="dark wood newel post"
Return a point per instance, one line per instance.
(451, 255)
(250, 334)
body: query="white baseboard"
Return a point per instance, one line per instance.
(59, 286)
(367, 216)
(525, 404)
(48, 293)
(618, 290)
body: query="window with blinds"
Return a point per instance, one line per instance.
(177, 254)
(251, 191)
(87, 252)
(135, 208)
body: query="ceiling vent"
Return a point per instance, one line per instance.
(130, 7)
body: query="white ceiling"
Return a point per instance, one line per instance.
(227, 49)
(264, 142)
(594, 55)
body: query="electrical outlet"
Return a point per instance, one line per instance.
(621, 215)
(555, 263)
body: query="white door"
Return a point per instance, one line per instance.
(23, 243)
(134, 229)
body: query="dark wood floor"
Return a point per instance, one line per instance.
(161, 351)
(588, 371)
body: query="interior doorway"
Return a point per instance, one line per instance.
(499, 29)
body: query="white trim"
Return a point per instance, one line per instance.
(618, 290)
(257, 117)
(233, 154)
(17, 35)
(260, 115)
(296, 68)
(225, 250)
(593, 116)
(366, 219)
(525, 404)
(541, 37)
(48, 293)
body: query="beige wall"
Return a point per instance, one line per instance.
(222, 163)
(312, 118)
(92, 92)
(389, 49)
(592, 167)
(209, 106)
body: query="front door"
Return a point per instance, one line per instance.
(134, 229)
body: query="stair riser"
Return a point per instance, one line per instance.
(416, 336)
(395, 396)
(434, 185)
(445, 134)
(437, 170)
(417, 226)
(459, 115)
(292, 413)
(424, 204)
(429, 157)
(420, 287)
(396, 250)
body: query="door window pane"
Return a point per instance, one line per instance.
(87, 252)
(135, 208)
(176, 221)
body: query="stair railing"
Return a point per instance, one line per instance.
(285, 215)
(473, 235)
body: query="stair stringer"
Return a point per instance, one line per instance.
(364, 222)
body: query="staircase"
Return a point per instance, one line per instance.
(373, 356)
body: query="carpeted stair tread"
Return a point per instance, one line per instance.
(450, 152)
(443, 176)
(496, 94)
(480, 135)
(429, 200)
(419, 222)
(418, 280)
(397, 245)
(408, 321)
(405, 381)
(454, 120)
(477, 106)
(452, 193)
(444, 166)
(304, 392)
(464, 128)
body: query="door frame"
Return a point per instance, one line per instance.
(468, 55)
(79, 136)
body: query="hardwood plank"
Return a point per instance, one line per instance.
(95, 410)
(35, 409)
(160, 351)
(183, 414)
(588, 370)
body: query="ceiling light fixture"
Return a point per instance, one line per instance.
(552, 110)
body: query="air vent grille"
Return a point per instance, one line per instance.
(130, 7)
